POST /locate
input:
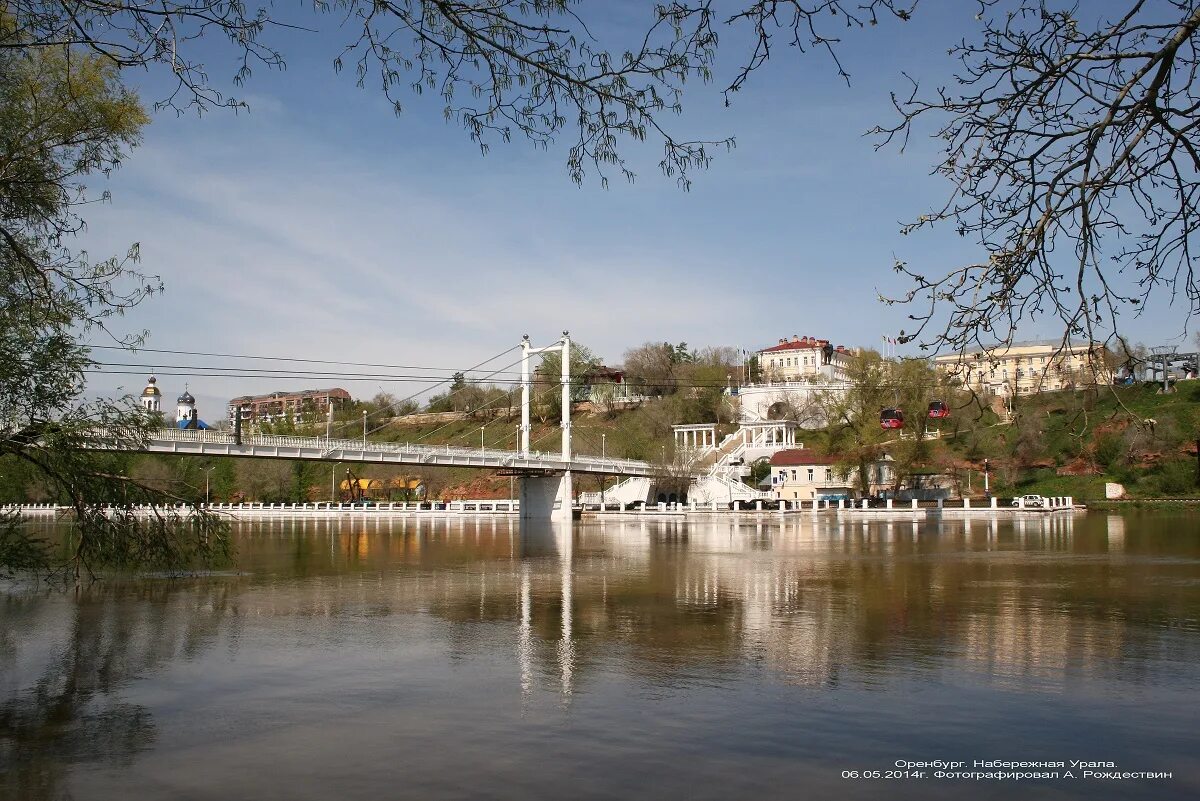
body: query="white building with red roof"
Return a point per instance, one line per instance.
(803, 359)
(803, 474)
(794, 377)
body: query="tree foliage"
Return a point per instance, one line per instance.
(64, 117)
(872, 385)
(547, 384)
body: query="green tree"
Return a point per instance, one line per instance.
(681, 355)
(547, 387)
(64, 116)
(852, 416)
(755, 370)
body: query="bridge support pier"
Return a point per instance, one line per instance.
(540, 495)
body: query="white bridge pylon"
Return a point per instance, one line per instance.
(547, 497)
(563, 346)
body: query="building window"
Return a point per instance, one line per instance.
(829, 474)
(810, 474)
(794, 475)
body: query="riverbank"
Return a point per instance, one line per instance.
(511, 508)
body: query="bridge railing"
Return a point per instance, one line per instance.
(500, 456)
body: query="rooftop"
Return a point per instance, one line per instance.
(801, 456)
(800, 343)
(336, 392)
(1001, 347)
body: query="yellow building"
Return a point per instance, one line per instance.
(803, 359)
(1023, 368)
(802, 474)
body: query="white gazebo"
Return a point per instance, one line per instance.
(775, 434)
(698, 437)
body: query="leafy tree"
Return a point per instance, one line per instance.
(681, 354)
(63, 117)
(874, 384)
(755, 370)
(385, 404)
(547, 386)
(451, 400)
(760, 470)
(852, 416)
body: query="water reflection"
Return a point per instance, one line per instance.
(67, 661)
(382, 615)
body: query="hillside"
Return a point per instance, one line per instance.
(1071, 443)
(1061, 443)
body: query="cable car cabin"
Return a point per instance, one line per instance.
(938, 410)
(891, 418)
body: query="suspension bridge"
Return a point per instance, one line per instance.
(545, 478)
(216, 443)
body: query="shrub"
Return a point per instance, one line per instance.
(1108, 449)
(1175, 477)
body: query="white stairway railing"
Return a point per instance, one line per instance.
(632, 490)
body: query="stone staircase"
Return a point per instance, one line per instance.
(635, 489)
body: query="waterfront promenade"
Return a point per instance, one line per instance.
(960, 509)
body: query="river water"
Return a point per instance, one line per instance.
(462, 659)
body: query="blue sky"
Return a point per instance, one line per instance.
(320, 224)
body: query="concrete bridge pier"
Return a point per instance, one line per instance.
(546, 497)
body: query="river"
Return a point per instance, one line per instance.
(461, 659)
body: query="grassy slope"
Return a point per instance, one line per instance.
(1052, 431)
(1097, 429)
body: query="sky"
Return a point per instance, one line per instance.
(320, 224)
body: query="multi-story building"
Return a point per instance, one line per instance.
(803, 358)
(278, 406)
(802, 474)
(1023, 368)
(792, 377)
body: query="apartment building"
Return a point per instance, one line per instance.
(278, 406)
(1023, 368)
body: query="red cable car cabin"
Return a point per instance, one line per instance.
(891, 418)
(938, 410)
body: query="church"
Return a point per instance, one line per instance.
(186, 415)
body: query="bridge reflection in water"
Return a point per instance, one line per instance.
(435, 633)
(808, 596)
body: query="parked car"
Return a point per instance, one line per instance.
(1030, 501)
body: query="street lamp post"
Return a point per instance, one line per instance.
(603, 478)
(481, 429)
(332, 484)
(364, 428)
(207, 473)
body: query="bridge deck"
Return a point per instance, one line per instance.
(216, 443)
